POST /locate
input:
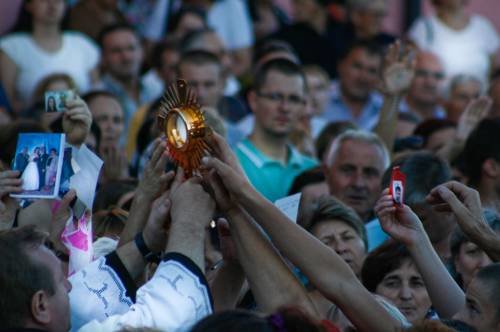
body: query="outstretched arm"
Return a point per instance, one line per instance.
(397, 75)
(324, 268)
(465, 203)
(404, 226)
(271, 280)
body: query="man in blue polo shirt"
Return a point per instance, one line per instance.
(277, 101)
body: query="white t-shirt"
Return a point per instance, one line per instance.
(231, 20)
(77, 57)
(466, 51)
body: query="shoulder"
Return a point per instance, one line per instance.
(482, 23)
(15, 40)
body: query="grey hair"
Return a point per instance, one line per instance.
(358, 136)
(462, 79)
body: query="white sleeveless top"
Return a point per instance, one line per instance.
(77, 57)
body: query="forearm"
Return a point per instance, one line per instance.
(139, 212)
(324, 268)
(226, 286)
(187, 238)
(272, 282)
(446, 296)
(388, 119)
(485, 238)
(132, 259)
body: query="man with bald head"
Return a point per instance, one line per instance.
(424, 95)
(353, 166)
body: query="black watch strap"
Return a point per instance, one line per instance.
(146, 253)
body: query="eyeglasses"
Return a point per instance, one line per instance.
(437, 75)
(276, 97)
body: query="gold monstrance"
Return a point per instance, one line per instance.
(181, 119)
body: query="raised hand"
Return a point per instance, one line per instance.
(398, 69)
(76, 121)
(476, 110)
(191, 203)
(9, 184)
(155, 180)
(61, 212)
(154, 233)
(463, 201)
(115, 163)
(224, 172)
(399, 221)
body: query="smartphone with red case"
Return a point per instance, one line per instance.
(397, 186)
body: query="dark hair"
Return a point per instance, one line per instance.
(110, 193)
(270, 46)
(458, 326)
(329, 133)
(428, 127)
(24, 22)
(161, 48)
(111, 220)
(186, 9)
(458, 238)
(327, 208)
(307, 177)
(90, 96)
(113, 28)
(200, 58)
(423, 171)
(380, 262)
(481, 145)
(192, 37)
(369, 46)
(283, 66)
(20, 276)
(287, 319)
(491, 276)
(9, 134)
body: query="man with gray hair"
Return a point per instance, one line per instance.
(353, 166)
(463, 89)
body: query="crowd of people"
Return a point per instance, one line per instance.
(319, 101)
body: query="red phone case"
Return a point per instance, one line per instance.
(397, 186)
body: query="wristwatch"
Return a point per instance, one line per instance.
(146, 253)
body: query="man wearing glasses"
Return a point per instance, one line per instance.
(277, 102)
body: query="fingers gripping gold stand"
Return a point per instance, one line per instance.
(181, 119)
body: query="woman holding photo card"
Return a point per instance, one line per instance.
(31, 180)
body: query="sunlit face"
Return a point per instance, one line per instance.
(358, 73)
(122, 54)
(279, 103)
(405, 288)
(46, 11)
(344, 239)
(108, 114)
(479, 310)
(469, 260)
(355, 174)
(210, 42)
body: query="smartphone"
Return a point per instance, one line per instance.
(55, 101)
(397, 186)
